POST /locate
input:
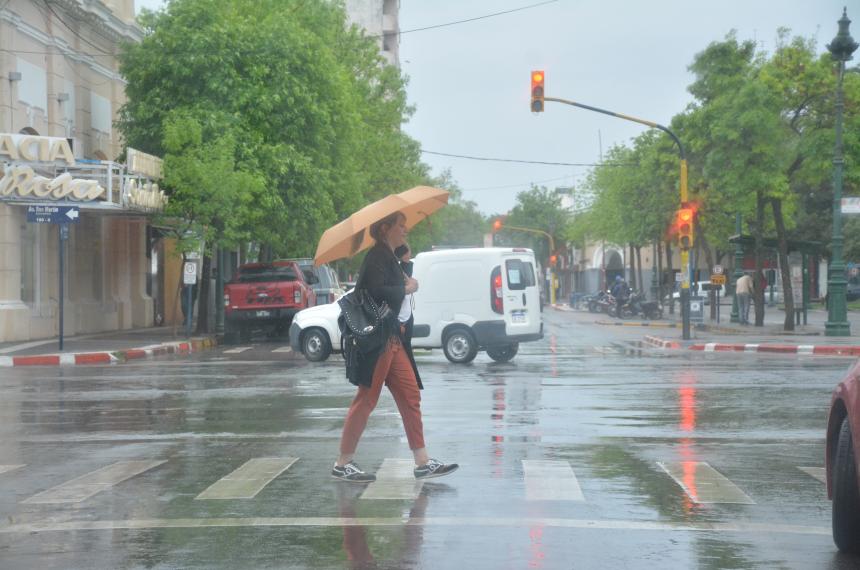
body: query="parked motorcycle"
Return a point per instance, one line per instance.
(637, 305)
(604, 303)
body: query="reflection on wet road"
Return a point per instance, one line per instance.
(585, 451)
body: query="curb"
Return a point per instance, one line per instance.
(638, 324)
(109, 357)
(799, 349)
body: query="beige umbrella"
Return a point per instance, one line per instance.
(353, 234)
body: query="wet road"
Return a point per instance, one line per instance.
(581, 453)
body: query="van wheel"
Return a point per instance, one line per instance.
(316, 345)
(846, 497)
(460, 346)
(503, 353)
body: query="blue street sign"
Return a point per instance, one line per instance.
(50, 214)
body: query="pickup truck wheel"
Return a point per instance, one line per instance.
(846, 497)
(460, 346)
(503, 353)
(316, 345)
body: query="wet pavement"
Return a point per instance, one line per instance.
(586, 451)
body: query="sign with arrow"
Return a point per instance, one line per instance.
(50, 214)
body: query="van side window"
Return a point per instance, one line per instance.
(529, 274)
(517, 274)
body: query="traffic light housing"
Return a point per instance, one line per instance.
(537, 91)
(686, 217)
(553, 259)
(497, 225)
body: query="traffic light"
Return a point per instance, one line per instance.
(537, 91)
(685, 227)
(497, 225)
(553, 259)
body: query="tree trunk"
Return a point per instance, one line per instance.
(659, 271)
(632, 266)
(639, 267)
(758, 280)
(203, 296)
(785, 269)
(704, 246)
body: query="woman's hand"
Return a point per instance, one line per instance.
(411, 285)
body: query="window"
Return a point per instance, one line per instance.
(520, 274)
(263, 273)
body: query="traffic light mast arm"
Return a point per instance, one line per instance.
(534, 231)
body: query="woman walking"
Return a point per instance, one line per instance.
(381, 275)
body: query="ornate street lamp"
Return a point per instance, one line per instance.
(837, 324)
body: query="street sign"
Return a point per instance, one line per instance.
(189, 273)
(718, 269)
(850, 205)
(679, 277)
(718, 279)
(48, 214)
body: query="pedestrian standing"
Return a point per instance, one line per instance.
(744, 290)
(383, 278)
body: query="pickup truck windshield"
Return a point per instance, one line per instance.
(267, 273)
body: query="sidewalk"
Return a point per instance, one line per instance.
(726, 336)
(102, 348)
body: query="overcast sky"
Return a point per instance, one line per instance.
(470, 82)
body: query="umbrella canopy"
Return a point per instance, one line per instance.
(353, 234)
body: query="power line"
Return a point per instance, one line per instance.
(528, 161)
(75, 32)
(400, 33)
(517, 185)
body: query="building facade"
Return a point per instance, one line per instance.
(60, 91)
(380, 19)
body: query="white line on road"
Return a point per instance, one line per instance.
(818, 472)
(85, 486)
(477, 522)
(551, 481)
(238, 350)
(394, 480)
(704, 484)
(8, 468)
(249, 479)
(283, 349)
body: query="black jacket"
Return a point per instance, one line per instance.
(382, 276)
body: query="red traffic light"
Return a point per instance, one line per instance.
(497, 225)
(537, 91)
(685, 218)
(552, 260)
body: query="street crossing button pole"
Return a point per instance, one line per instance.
(189, 279)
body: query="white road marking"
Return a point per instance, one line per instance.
(249, 479)
(394, 480)
(283, 349)
(477, 522)
(85, 486)
(819, 473)
(8, 468)
(704, 484)
(238, 350)
(551, 481)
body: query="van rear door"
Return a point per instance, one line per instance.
(522, 298)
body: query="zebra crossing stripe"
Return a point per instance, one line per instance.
(238, 350)
(818, 472)
(551, 481)
(85, 486)
(283, 349)
(394, 480)
(704, 484)
(249, 479)
(8, 468)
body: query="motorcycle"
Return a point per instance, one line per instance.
(637, 305)
(603, 303)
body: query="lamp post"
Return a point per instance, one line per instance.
(837, 324)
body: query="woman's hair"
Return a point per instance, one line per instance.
(376, 231)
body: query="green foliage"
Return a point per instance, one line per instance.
(539, 209)
(303, 100)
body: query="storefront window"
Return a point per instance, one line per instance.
(28, 262)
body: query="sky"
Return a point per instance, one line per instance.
(469, 82)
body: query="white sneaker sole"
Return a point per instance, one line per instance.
(434, 475)
(365, 482)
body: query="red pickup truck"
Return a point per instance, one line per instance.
(265, 295)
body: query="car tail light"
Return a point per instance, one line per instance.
(496, 301)
(297, 296)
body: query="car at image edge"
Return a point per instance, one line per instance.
(841, 453)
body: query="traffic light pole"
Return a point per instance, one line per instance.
(685, 252)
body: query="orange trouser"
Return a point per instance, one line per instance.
(394, 369)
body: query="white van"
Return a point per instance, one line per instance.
(476, 299)
(468, 300)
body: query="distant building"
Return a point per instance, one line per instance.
(379, 18)
(60, 90)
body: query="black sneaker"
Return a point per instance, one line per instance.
(434, 468)
(352, 473)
